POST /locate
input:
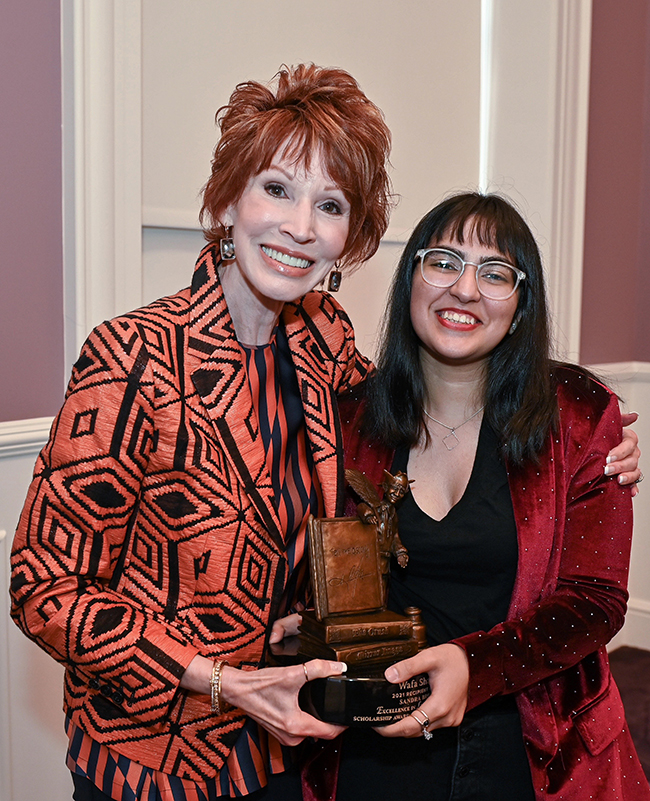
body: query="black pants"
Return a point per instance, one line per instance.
(482, 760)
(281, 787)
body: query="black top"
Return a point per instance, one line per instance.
(460, 573)
(462, 568)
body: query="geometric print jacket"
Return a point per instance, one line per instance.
(149, 533)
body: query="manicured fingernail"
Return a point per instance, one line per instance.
(621, 479)
(608, 470)
(344, 667)
(609, 460)
(391, 674)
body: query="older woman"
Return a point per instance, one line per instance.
(518, 542)
(165, 526)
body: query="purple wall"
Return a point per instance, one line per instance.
(31, 267)
(615, 318)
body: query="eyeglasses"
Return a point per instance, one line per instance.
(496, 280)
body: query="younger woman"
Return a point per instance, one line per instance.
(518, 542)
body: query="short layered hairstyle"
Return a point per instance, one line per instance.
(307, 112)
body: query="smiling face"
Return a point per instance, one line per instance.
(393, 494)
(457, 325)
(290, 226)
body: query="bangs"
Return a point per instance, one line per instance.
(492, 222)
(298, 137)
(282, 134)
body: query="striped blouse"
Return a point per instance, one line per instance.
(297, 493)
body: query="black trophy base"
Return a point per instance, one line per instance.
(363, 700)
(353, 699)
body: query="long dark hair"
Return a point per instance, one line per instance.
(519, 392)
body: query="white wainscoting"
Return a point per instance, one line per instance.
(632, 382)
(32, 740)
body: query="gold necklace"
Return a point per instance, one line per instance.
(452, 429)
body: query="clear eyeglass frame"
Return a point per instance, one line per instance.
(520, 275)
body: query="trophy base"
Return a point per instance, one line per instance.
(361, 697)
(363, 641)
(363, 700)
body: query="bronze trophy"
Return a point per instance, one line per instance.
(350, 564)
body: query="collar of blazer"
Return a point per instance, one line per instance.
(220, 380)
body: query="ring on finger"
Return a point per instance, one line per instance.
(304, 668)
(639, 479)
(423, 723)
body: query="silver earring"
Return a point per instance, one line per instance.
(334, 283)
(515, 323)
(226, 245)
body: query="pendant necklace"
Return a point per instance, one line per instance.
(452, 429)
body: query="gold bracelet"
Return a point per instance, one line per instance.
(218, 706)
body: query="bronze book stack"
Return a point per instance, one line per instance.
(348, 623)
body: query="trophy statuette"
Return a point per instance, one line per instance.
(350, 565)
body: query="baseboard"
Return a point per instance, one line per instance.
(636, 631)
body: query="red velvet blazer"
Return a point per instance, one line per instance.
(149, 533)
(574, 530)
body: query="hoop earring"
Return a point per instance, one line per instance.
(334, 283)
(226, 245)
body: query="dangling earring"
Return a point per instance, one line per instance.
(226, 245)
(334, 283)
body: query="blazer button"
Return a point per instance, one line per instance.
(94, 684)
(106, 690)
(118, 697)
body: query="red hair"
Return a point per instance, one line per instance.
(313, 110)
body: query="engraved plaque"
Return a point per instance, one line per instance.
(363, 701)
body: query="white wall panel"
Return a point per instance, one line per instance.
(536, 131)
(419, 60)
(168, 257)
(500, 82)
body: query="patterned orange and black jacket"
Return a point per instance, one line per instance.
(153, 483)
